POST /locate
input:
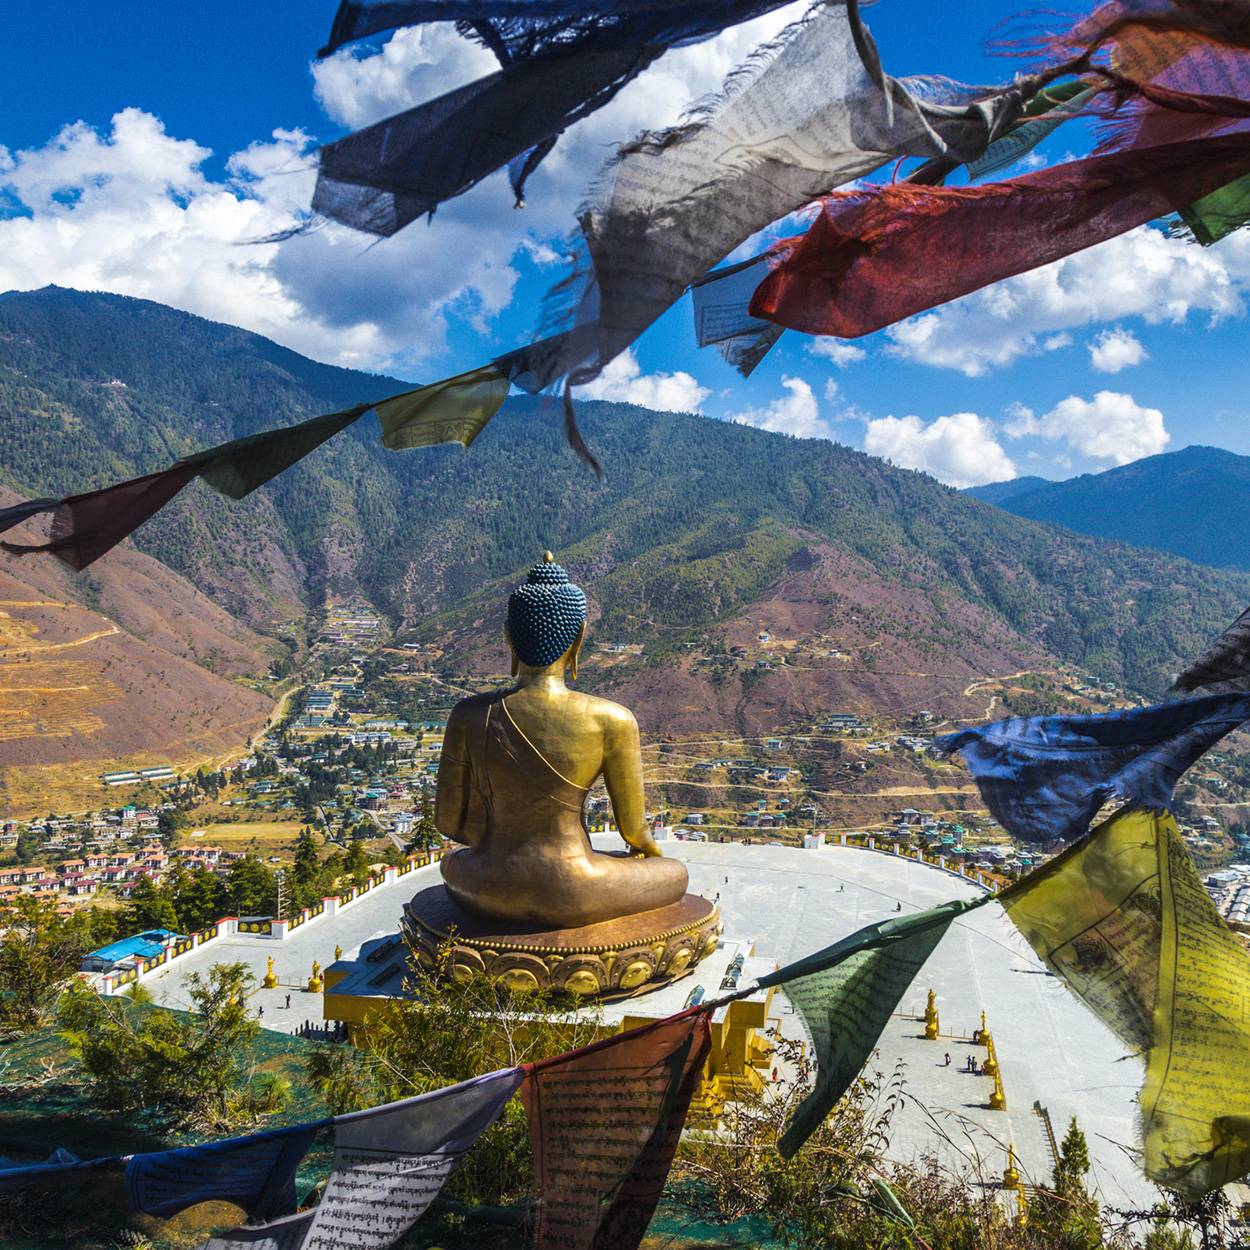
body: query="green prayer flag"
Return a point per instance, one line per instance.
(846, 994)
(1123, 918)
(237, 468)
(1216, 215)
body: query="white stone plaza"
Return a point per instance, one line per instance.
(790, 902)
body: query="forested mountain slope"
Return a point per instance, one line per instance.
(1186, 502)
(697, 521)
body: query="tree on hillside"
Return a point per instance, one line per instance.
(425, 837)
(191, 1068)
(1073, 1163)
(253, 890)
(39, 955)
(306, 878)
(27, 845)
(356, 863)
(149, 909)
(1067, 1212)
(199, 898)
(171, 826)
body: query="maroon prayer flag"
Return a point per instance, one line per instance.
(86, 526)
(874, 257)
(604, 1124)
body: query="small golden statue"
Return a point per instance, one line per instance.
(931, 1018)
(1011, 1174)
(338, 953)
(270, 982)
(314, 981)
(528, 888)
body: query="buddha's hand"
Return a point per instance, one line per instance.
(643, 842)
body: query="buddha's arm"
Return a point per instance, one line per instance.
(454, 808)
(622, 774)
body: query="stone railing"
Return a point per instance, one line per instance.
(869, 842)
(263, 926)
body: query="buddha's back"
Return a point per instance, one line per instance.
(512, 782)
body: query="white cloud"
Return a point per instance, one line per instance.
(1114, 350)
(130, 210)
(960, 450)
(1140, 274)
(622, 380)
(359, 86)
(837, 350)
(1111, 426)
(797, 413)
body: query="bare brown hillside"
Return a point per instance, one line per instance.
(840, 635)
(124, 665)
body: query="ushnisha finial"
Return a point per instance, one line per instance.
(548, 558)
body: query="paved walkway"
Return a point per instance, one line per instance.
(372, 915)
(1050, 1048)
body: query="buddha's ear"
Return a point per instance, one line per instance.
(516, 661)
(575, 648)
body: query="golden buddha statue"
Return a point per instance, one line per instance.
(515, 770)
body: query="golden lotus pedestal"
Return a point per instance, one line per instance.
(630, 955)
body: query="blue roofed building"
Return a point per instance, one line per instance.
(140, 946)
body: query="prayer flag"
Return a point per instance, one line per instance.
(876, 256)
(19, 512)
(559, 63)
(1123, 919)
(846, 994)
(256, 1173)
(453, 411)
(721, 301)
(1064, 101)
(1217, 215)
(529, 27)
(812, 111)
(85, 526)
(237, 468)
(389, 1164)
(1045, 777)
(1226, 660)
(604, 1124)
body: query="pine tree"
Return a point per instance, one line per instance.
(425, 837)
(1073, 1162)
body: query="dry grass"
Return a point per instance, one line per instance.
(261, 837)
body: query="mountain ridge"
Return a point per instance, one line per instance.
(1180, 502)
(698, 527)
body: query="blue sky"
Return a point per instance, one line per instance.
(144, 145)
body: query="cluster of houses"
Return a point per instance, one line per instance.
(86, 858)
(351, 625)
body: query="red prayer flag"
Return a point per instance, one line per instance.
(875, 256)
(604, 1123)
(86, 526)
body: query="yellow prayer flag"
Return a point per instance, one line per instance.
(455, 410)
(1124, 920)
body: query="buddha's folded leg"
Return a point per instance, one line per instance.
(569, 894)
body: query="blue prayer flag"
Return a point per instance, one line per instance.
(1045, 777)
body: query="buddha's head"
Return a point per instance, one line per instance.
(546, 618)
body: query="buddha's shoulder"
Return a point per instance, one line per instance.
(603, 710)
(475, 707)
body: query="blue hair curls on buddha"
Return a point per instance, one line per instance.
(546, 616)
